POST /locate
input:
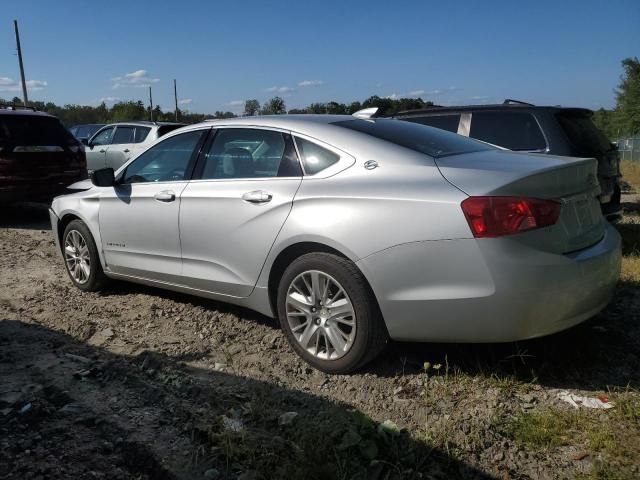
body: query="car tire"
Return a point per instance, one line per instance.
(81, 259)
(350, 316)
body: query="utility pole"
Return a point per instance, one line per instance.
(175, 97)
(151, 104)
(25, 100)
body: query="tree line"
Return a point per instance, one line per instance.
(623, 120)
(72, 114)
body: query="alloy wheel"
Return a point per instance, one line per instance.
(76, 256)
(320, 315)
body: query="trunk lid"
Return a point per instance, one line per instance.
(570, 181)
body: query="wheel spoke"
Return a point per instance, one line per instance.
(335, 339)
(310, 329)
(298, 304)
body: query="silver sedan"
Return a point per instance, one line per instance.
(351, 231)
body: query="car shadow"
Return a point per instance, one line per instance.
(31, 216)
(81, 408)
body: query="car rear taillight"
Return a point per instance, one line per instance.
(498, 216)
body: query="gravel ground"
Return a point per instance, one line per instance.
(136, 382)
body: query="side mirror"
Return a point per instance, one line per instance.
(85, 141)
(103, 177)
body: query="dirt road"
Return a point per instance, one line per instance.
(135, 382)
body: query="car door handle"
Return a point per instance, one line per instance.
(101, 151)
(257, 196)
(126, 150)
(165, 196)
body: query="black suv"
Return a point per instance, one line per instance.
(528, 128)
(39, 158)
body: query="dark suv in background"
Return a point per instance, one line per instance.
(525, 127)
(39, 158)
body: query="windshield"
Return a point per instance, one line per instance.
(586, 139)
(430, 141)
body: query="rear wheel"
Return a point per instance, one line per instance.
(81, 257)
(329, 314)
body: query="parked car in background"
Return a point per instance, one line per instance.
(86, 131)
(39, 158)
(525, 127)
(351, 231)
(114, 144)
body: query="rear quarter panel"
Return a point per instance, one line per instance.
(359, 212)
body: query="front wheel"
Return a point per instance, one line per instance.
(81, 257)
(329, 314)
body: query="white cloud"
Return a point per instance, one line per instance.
(416, 93)
(235, 103)
(310, 83)
(394, 96)
(283, 89)
(10, 85)
(139, 78)
(185, 101)
(109, 99)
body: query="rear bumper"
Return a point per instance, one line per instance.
(490, 290)
(33, 192)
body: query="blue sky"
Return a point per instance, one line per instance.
(221, 53)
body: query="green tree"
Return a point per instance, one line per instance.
(251, 107)
(627, 111)
(275, 106)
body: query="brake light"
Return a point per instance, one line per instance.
(498, 216)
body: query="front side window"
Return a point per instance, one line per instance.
(250, 153)
(314, 157)
(512, 130)
(123, 135)
(443, 122)
(167, 161)
(103, 137)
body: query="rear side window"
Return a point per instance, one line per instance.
(430, 141)
(585, 138)
(141, 134)
(314, 157)
(32, 130)
(443, 122)
(123, 135)
(512, 130)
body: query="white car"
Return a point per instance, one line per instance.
(113, 145)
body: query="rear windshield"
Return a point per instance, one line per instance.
(430, 141)
(164, 129)
(32, 130)
(586, 140)
(85, 131)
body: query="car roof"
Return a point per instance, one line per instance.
(22, 111)
(508, 105)
(145, 123)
